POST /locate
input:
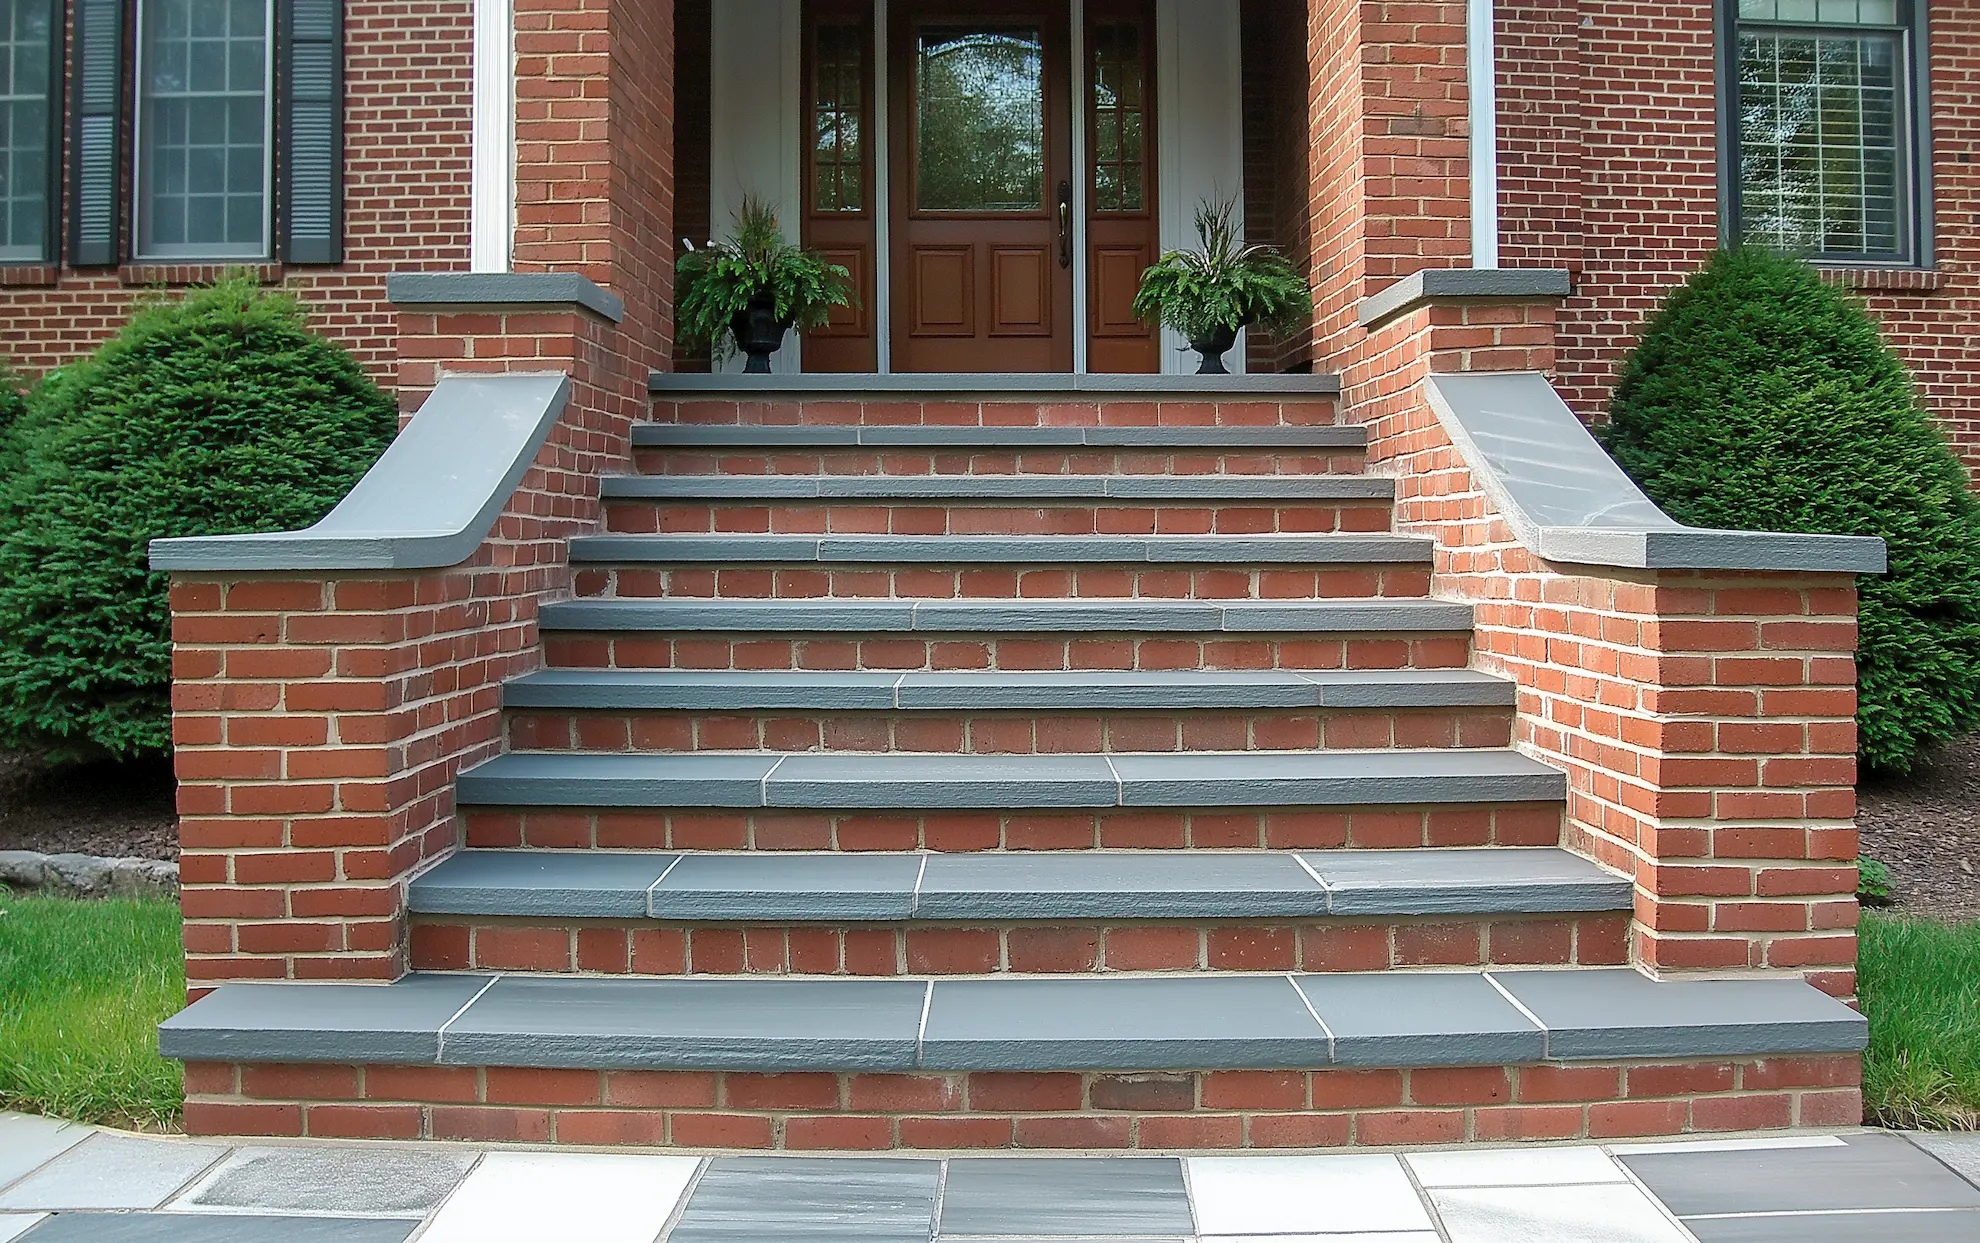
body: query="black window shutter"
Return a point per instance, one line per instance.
(95, 134)
(311, 130)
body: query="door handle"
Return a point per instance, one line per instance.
(1065, 224)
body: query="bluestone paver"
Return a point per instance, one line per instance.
(1918, 1226)
(1864, 1172)
(28, 1142)
(213, 1228)
(802, 1200)
(384, 1181)
(1430, 1019)
(546, 1197)
(112, 1172)
(1613, 1213)
(1958, 1149)
(1303, 1195)
(1111, 1197)
(14, 1225)
(1514, 1167)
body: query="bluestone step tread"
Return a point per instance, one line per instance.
(838, 436)
(976, 691)
(1002, 549)
(998, 487)
(1097, 885)
(1072, 1023)
(901, 780)
(1343, 616)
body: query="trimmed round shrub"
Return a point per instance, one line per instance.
(216, 414)
(1762, 398)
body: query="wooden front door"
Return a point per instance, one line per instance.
(982, 190)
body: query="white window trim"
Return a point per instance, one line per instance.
(203, 253)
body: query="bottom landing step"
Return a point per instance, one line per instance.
(1442, 1019)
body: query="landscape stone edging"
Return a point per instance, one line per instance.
(88, 876)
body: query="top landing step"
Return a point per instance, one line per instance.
(992, 385)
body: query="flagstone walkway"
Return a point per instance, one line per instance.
(70, 1184)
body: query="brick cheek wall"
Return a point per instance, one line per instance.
(320, 719)
(407, 148)
(1706, 721)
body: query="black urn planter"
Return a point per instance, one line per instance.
(759, 334)
(1213, 348)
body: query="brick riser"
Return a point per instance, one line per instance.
(1317, 517)
(1083, 461)
(462, 943)
(1371, 828)
(1007, 733)
(1003, 582)
(1043, 411)
(1030, 652)
(1062, 1110)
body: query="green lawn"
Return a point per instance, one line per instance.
(1920, 984)
(83, 986)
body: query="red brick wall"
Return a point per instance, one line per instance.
(407, 131)
(1608, 168)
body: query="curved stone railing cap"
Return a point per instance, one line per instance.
(427, 503)
(1567, 500)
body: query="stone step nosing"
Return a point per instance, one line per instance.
(1001, 549)
(992, 488)
(932, 436)
(668, 690)
(898, 781)
(1199, 1022)
(628, 615)
(1080, 885)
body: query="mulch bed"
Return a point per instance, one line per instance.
(117, 810)
(1926, 828)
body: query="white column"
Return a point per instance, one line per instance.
(755, 145)
(1199, 117)
(1481, 70)
(492, 193)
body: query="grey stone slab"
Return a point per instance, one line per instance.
(993, 384)
(978, 488)
(1959, 1226)
(1462, 284)
(580, 884)
(1200, 1023)
(750, 1024)
(1864, 1172)
(429, 501)
(811, 1200)
(1065, 616)
(1334, 778)
(214, 1228)
(1609, 1014)
(356, 1023)
(1104, 1197)
(14, 1225)
(1001, 549)
(1566, 499)
(111, 1172)
(1413, 688)
(575, 779)
(1958, 1149)
(694, 549)
(681, 690)
(1499, 880)
(1346, 616)
(794, 887)
(1421, 1019)
(1247, 487)
(984, 549)
(742, 436)
(28, 1141)
(759, 435)
(377, 1181)
(899, 780)
(743, 616)
(1109, 885)
(503, 289)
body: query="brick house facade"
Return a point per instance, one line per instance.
(983, 733)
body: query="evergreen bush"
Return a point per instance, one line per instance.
(214, 414)
(1762, 398)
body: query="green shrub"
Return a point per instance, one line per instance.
(1762, 398)
(216, 414)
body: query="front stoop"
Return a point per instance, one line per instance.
(1028, 773)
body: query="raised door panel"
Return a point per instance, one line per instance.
(1116, 278)
(854, 320)
(944, 289)
(1021, 292)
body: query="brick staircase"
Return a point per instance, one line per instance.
(1054, 771)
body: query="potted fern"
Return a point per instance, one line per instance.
(1209, 295)
(746, 293)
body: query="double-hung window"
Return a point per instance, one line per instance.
(1825, 143)
(30, 34)
(204, 171)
